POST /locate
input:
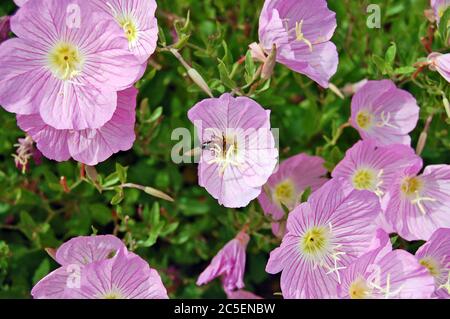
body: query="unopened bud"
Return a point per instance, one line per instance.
(51, 252)
(198, 79)
(421, 143)
(257, 52)
(193, 73)
(269, 64)
(92, 174)
(336, 90)
(158, 193)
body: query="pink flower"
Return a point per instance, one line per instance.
(4, 28)
(99, 267)
(239, 152)
(138, 21)
(386, 274)
(439, 7)
(284, 189)
(417, 205)
(242, 294)
(229, 264)
(324, 235)
(84, 250)
(373, 168)
(301, 31)
(435, 256)
(384, 113)
(66, 65)
(441, 63)
(89, 146)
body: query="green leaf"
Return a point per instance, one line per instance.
(404, 70)
(121, 173)
(225, 76)
(379, 63)
(41, 271)
(169, 229)
(156, 114)
(154, 214)
(390, 54)
(118, 198)
(444, 26)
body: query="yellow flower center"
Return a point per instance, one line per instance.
(65, 60)
(113, 294)
(315, 241)
(364, 119)
(411, 185)
(432, 265)
(284, 193)
(129, 27)
(359, 289)
(364, 179)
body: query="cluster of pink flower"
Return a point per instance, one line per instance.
(69, 74)
(99, 267)
(335, 245)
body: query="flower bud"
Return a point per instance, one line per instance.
(269, 64)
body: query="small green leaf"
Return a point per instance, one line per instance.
(121, 173)
(154, 214)
(225, 76)
(380, 63)
(404, 70)
(390, 54)
(444, 26)
(41, 271)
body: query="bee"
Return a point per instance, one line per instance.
(207, 145)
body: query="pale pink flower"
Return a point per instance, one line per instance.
(417, 205)
(324, 235)
(99, 267)
(89, 146)
(441, 63)
(301, 30)
(373, 168)
(386, 274)
(286, 186)
(384, 113)
(138, 21)
(228, 264)
(439, 7)
(66, 65)
(435, 256)
(239, 152)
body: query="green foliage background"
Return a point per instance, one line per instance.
(180, 238)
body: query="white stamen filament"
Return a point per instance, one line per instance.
(222, 157)
(385, 118)
(378, 190)
(299, 36)
(418, 201)
(386, 291)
